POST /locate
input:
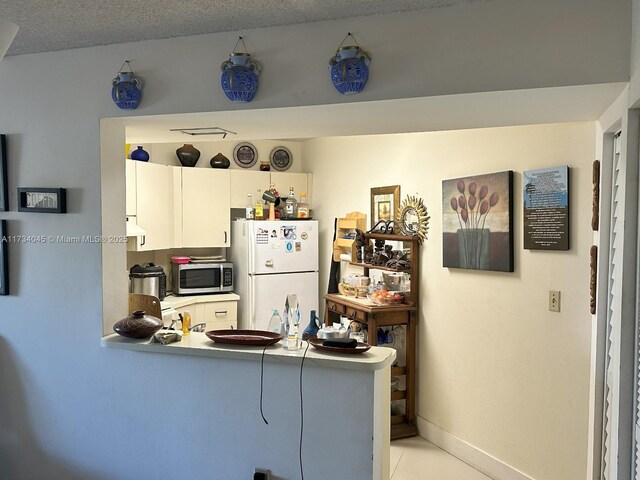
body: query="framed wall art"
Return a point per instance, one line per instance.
(477, 222)
(384, 203)
(42, 200)
(4, 191)
(4, 259)
(546, 208)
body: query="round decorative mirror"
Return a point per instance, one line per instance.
(413, 217)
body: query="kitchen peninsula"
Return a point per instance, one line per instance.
(346, 400)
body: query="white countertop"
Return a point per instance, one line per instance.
(376, 358)
(174, 301)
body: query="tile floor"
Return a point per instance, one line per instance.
(417, 459)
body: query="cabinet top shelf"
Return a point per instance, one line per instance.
(386, 236)
(380, 267)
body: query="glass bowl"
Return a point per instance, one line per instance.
(386, 297)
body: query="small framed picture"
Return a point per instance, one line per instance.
(42, 200)
(384, 203)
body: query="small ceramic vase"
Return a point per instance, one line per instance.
(138, 325)
(239, 79)
(219, 161)
(126, 90)
(312, 328)
(140, 155)
(349, 69)
(188, 155)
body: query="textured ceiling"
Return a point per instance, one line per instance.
(48, 25)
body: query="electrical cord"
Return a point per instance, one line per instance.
(302, 411)
(262, 383)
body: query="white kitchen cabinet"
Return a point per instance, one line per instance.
(247, 181)
(215, 315)
(301, 182)
(131, 187)
(205, 207)
(153, 206)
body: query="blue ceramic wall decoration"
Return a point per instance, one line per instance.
(126, 89)
(349, 68)
(140, 154)
(239, 79)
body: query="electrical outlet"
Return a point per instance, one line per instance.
(262, 474)
(554, 300)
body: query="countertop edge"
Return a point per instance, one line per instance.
(198, 344)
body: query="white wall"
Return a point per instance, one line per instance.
(70, 409)
(496, 368)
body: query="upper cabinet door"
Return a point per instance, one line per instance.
(154, 205)
(301, 182)
(247, 181)
(205, 207)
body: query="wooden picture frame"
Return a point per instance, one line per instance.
(42, 200)
(384, 204)
(4, 259)
(4, 190)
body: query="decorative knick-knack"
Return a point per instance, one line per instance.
(239, 79)
(138, 325)
(349, 68)
(313, 327)
(219, 161)
(188, 155)
(140, 154)
(126, 89)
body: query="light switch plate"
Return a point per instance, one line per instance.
(554, 300)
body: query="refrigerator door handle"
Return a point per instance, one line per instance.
(268, 263)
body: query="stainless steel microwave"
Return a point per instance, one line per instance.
(202, 278)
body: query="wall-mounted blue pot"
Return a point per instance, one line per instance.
(349, 69)
(126, 91)
(239, 79)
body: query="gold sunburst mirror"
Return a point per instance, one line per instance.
(413, 217)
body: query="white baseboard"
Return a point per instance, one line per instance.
(473, 456)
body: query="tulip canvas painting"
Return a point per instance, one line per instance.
(477, 222)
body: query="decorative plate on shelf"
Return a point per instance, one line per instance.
(280, 158)
(245, 155)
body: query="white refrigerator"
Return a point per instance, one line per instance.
(272, 259)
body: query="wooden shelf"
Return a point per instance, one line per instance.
(376, 316)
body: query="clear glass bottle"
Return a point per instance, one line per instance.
(290, 206)
(249, 211)
(276, 325)
(303, 206)
(259, 209)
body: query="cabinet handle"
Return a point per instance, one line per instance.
(225, 236)
(353, 315)
(144, 240)
(221, 312)
(333, 308)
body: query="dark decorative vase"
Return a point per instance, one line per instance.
(138, 325)
(219, 161)
(140, 155)
(349, 70)
(188, 155)
(126, 91)
(239, 79)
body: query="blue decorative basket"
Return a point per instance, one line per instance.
(239, 79)
(349, 70)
